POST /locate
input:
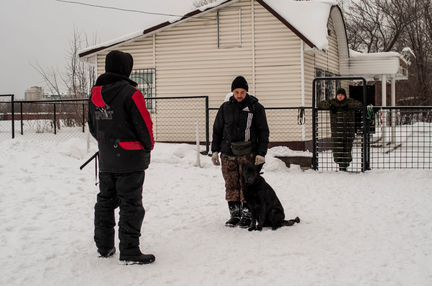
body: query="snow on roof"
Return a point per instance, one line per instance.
(211, 5)
(355, 54)
(308, 17)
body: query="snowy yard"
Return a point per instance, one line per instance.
(373, 228)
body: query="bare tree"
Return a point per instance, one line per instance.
(377, 25)
(384, 25)
(51, 79)
(78, 77)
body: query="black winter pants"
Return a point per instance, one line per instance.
(124, 191)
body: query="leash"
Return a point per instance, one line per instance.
(96, 158)
(96, 168)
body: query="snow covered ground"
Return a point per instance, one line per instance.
(373, 228)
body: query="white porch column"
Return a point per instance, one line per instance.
(384, 90)
(393, 104)
(384, 104)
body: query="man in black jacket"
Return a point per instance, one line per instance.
(122, 126)
(241, 135)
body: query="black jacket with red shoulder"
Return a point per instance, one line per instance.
(121, 124)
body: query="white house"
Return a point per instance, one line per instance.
(280, 46)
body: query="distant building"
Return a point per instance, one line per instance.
(33, 93)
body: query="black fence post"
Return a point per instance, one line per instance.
(13, 115)
(366, 163)
(207, 124)
(83, 117)
(55, 120)
(314, 129)
(21, 116)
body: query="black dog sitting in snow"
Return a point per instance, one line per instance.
(266, 208)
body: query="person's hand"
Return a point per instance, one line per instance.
(215, 158)
(259, 160)
(333, 109)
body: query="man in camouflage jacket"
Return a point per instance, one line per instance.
(343, 126)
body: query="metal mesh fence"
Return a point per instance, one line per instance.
(396, 138)
(6, 122)
(340, 140)
(379, 138)
(401, 137)
(51, 120)
(288, 125)
(180, 119)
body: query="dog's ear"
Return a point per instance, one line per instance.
(258, 168)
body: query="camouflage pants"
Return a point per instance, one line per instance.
(232, 168)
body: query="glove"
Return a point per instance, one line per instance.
(215, 158)
(259, 160)
(333, 109)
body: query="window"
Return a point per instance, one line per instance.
(146, 80)
(326, 89)
(229, 27)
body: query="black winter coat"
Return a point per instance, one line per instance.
(342, 118)
(231, 126)
(121, 124)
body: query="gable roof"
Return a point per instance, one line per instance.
(307, 19)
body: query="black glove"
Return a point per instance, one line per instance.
(333, 109)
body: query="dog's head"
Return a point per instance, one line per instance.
(250, 174)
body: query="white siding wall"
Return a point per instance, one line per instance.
(277, 61)
(325, 60)
(141, 50)
(329, 60)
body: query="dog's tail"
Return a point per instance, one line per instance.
(290, 222)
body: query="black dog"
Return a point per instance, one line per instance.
(263, 202)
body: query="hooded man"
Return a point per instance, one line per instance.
(122, 126)
(241, 136)
(343, 126)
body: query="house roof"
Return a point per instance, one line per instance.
(307, 19)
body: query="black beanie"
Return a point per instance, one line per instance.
(239, 82)
(340, 91)
(119, 62)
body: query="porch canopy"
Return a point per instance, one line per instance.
(377, 66)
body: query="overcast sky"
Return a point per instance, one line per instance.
(40, 32)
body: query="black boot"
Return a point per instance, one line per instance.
(137, 259)
(105, 253)
(246, 216)
(234, 209)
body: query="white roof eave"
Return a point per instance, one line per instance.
(374, 65)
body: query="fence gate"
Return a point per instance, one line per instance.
(340, 136)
